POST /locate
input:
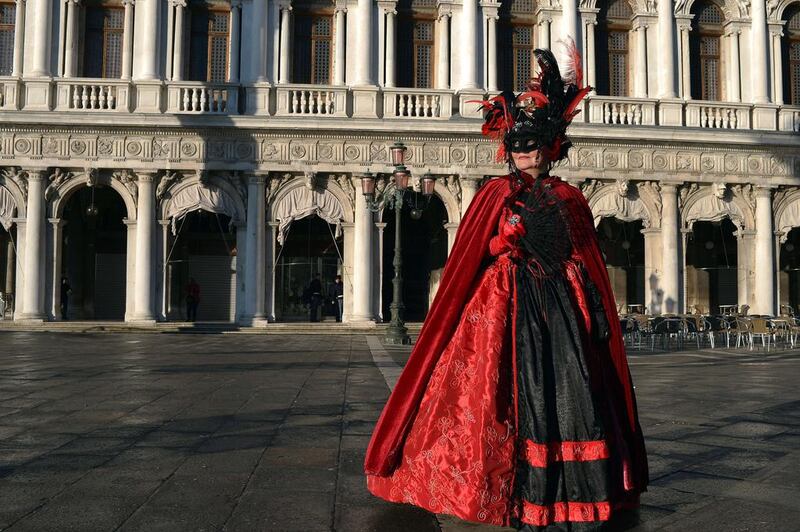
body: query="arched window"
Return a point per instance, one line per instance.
(516, 43)
(102, 44)
(416, 30)
(705, 46)
(209, 37)
(313, 42)
(8, 13)
(612, 48)
(790, 55)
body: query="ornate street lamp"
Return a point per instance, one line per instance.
(397, 333)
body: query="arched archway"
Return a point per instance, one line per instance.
(308, 216)
(424, 251)
(205, 217)
(93, 268)
(622, 245)
(789, 270)
(712, 266)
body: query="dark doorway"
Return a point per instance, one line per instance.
(310, 249)
(203, 249)
(711, 266)
(789, 274)
(622, 244)
(94, 260)
(424, 251)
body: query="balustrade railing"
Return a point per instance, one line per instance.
(107, 95)
(712, 115)
(622, 111)
(311, 100)
(203, 98)
(92, 95)
(403, 103)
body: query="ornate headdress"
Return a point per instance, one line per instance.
(538, 117)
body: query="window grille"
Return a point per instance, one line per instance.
(705, 51)
(313, 48)
(423, 54)
(208, 47)
(522, 6)
(102, 47)
(618, 63)
(522, 40)
(8, 13)
(790, 56)
(620, 9)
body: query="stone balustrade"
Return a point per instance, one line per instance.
(417, 103)
(80, 94)
(284, 100)
(311, 100)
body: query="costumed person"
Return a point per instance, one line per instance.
(516, 407)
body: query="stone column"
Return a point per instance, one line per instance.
(671, 258)
(686, 63)
(54, 256)
(764, 254)
(145, 40)
(127, 39)
(33, 280)
(19, 37)
(468, 77)
(145, 235)
(71, 42)
(640, 70)
(339, 46)
(363, 54)
(285, 57)
(759, 52)
(570, 27)
(41, 29)
(591, 58)
(544, 31)
(258, 44)
(363, 268)
(667, 80)
(391, 45)
(652, 264)
(178, 38)
(255, 247)
(491, 50)
(11, 267)
(777, 60)
(234, 51)
(469, 187)
(735, 92)
(443, 53)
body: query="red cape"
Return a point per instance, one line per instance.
(461, 271)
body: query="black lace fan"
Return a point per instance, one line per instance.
(546, 236)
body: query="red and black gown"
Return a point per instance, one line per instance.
(516, 407)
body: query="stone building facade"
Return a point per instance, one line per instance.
(174, 139)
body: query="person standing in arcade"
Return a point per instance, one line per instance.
(516, 407)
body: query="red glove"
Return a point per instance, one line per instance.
(509, 234)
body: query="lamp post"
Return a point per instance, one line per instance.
(397, 332)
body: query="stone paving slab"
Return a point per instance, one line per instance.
(136, 432)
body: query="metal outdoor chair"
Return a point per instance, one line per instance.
(667, 329)
(719, 325)
(693, 327)
(782, 330)
(761, 329)
(743, 327)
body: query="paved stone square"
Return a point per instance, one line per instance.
(267, 433)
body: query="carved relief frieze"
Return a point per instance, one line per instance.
(453, 184)
(275, 183)
(57, 178)
(128, 179)
(345, 182)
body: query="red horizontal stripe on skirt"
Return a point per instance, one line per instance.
(541, 454)
(560, 512)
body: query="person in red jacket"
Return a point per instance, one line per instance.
(516, 407)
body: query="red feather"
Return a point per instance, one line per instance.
(570, 111)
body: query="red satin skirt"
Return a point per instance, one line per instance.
(459, 456)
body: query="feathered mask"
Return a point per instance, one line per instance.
(538, 117)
